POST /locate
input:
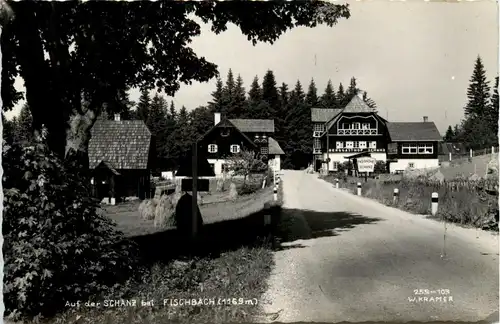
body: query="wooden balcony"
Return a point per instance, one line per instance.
(370, 131)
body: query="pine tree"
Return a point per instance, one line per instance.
(9, 127)
(270, 94)
(328, 99)
(312, 95)
(369, 102)
(449, 136)
(493, 110)
(341, 96)
(228, 95)
(478, 91)
(23, 132)
(283, 95)
(184, 138)
(216, 105)
(157, 124)
(238, 101)
(351, 91)
(257, 108)
(171, 112)
(143, 106)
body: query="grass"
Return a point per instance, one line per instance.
(462, 206)
(231, 259)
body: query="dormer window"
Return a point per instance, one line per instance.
(235, 148)
(224, 132)
(212, 148)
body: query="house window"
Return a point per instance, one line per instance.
(319, 127)
(356, 144)
(335, 166)
(411, 165)
(340, 145)
(365, 126)
(317, 143)
(235, 148)
(212, 148)
(362, 144)
(357, 125)
(409, 149)
(425, 149)
(373, 144)
(346, 126)
(264, 150)
(224, 132)
(349, 144)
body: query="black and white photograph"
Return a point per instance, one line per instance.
(249, 161)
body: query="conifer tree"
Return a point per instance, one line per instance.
(351, 91)
(328, 99)
(312, 95)
(341, 96)
(270, 94)
(216, 105)
(369, 102)
(238, 101)
(478, 92)
(143, 106)
(449, 136)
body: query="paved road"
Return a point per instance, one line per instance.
(357, 260)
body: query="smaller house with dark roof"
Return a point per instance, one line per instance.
(413, 145)
(121, 155)
(231, 136)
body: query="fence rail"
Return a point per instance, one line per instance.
(472, 153)
(488, 185)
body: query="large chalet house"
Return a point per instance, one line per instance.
(230, 136)
(345, 134)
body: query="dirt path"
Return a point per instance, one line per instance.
(353, 259)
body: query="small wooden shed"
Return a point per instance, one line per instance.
(121, 156)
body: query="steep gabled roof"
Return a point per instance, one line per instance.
(123, 144)
(254, 125)
(413, 131)
(357, 105)
(454, 148)
(322, 115)
(227, 123)
(274, 147)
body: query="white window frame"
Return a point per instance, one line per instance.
(264, 150)
(234, 148)
(349, 144)
(317, 143)
(373, 144)
(411, 148)
(411, 165)
(425, 149)
(357, 125)
(335, 165)
(346, 126)
(356, 144)
(212, 148)
(362, 144)
(365, 126)
(340, 144)
(319, 127)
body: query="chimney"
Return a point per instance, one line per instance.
(426, 119)
(216, 118)
(117, 117)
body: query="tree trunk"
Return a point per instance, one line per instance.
(78, 137)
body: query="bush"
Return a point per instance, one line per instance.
(57, 247)
(147, 209)
(249, 188)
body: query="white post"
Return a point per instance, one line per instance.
(278, 182)
(395, 195)
(275, 193)
(434, 203)
(492, 150)
(274, 176)
(337, 183)
(359, 188)
(112, 201)
(470, 152)
(450, 156)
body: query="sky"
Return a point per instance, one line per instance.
(413, 58)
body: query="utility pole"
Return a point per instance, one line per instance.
(327, 150)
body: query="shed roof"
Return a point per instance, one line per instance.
(274, 147)
(254, 125)
(413, 131)
(124, 144)
(322, 115)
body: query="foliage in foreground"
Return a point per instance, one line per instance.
(57, 247)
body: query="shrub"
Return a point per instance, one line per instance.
(57, 247)
(249, 188)
(380, 167)
(147, 209)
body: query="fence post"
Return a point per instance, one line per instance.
(492, 150)
(275, 193)
(337, 183)
(395, 195)
(470, 152)
(434, 203)
(450, 156)
(359, 188)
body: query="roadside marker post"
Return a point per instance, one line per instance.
(434, 203)
(275, 193)
(359, 188)
(395, 196)
(337, 183)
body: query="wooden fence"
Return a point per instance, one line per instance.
(490, 186)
